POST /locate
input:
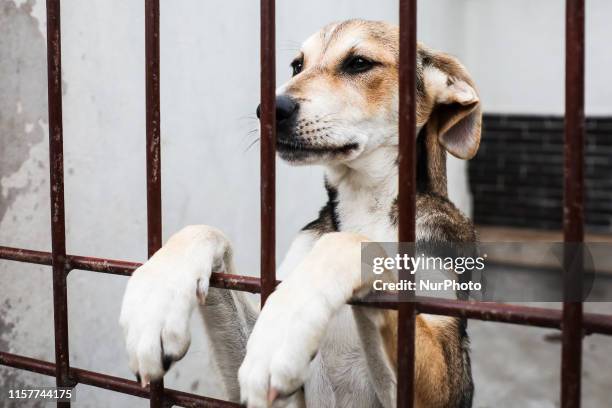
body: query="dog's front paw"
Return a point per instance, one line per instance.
(155, 319)
(284, 341)
(162, 294)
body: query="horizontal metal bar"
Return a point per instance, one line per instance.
(25, 255)
(124, 268)
(112, 383)
(514, 314)
(27, 363)
(495, 312)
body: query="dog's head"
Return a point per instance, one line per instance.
(342, 101)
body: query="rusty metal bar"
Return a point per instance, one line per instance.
(495, 312)
(268, 148)
(122, 385)
(27, 363)
(513, 314)
(571, 319)
(573, 220)
(26, 255)
(153, 155)
(407, 193)
(124, 268)
(101, 265)
(56, 169)
(172, 397)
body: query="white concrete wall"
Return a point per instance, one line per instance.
(516, 52)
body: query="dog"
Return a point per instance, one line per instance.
(307, 347)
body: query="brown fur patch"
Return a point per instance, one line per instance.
(439, 361)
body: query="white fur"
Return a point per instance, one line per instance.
(292, 326)
(162, 293)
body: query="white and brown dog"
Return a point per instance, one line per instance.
(307, 347)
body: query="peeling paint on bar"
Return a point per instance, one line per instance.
(153, 152)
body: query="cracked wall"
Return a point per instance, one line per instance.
(23, 114)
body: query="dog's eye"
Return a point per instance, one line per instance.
(297, 66)
(356, 65)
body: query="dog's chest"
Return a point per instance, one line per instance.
(367, 212)
(339, 373)
(341, 367)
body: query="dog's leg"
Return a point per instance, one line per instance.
(292, 324)
(439, 369)
(162, 294)
(442, 363)
(229, 318)
(378, 334)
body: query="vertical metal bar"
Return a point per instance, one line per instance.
(268, 149)
(153, 155)
(56, 167)
(573, 221)
(407, 192)
(154, 233)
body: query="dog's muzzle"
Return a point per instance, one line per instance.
(286, 111)
(297, 144)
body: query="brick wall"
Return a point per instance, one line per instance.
(517, 176)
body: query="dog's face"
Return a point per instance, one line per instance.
(342, 101)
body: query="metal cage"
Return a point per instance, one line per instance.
(571, 320)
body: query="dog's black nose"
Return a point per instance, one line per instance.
(286, 107)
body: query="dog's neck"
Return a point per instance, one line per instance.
(365, 191)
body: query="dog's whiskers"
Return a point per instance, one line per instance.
(250, 133)
(248, 117)
(251, 144)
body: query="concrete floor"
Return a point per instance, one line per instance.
(520, 366)
(517, 366)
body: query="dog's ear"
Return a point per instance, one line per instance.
(456, 115)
